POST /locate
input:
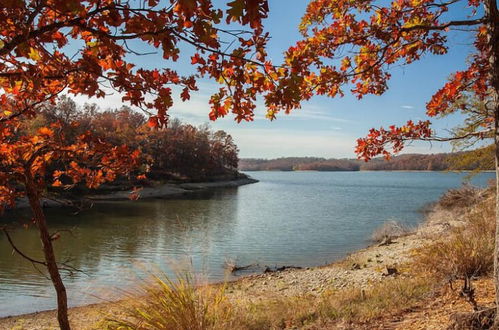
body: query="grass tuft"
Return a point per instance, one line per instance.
(180, 304)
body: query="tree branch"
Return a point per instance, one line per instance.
(444, 26)
(11, 242)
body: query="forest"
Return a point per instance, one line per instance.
(179, 153)
(479, 159)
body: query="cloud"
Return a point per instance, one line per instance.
(269, 143)
(407, 107)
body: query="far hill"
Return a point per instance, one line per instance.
(473, 160)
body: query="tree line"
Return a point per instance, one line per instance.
(479, 159)
(181, 152)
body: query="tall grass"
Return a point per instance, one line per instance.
(179, 304)
(467, 251)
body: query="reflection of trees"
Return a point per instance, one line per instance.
(110, 235)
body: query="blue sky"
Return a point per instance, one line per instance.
(323, 127)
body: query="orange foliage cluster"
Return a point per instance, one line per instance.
(379, 36)
(179, 151)
(28, 155)
(37, 64)
(66, 145)
(34, 67)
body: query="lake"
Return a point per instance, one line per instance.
(288, 218)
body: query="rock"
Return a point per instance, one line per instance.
(391, 271)
(355, 266)
(386, 241)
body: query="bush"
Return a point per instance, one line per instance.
(465, 196)
(389, 230)
(468, 251)
(167, 304)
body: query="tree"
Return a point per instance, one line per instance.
(355, 43)
(36, 65)
(34, 68)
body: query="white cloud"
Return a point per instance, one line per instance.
(410, 107)
(268, 143)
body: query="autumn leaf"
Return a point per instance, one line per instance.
(34, 54)
(153, 122)
(46, 131)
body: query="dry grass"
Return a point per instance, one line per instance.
(179, 304)
(182, 305)
(354, 306)
(390, 230)
(468, 251)
(463, 197)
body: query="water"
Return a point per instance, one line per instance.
(288, 218)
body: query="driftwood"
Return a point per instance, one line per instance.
(236, 268)
(483, 319)
(232, 267)
(279, 269)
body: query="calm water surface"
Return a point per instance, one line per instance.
(288, 218)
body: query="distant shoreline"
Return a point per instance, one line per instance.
(422, 171)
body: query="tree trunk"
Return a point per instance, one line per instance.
(48, 250)
(493, 41)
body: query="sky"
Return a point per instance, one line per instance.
(324, 127)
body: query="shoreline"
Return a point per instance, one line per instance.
(350, 171)
(169, 190)
(161, 191)
(360, 269)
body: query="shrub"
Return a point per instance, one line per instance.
(465, 196)
(389, 230)
(469, 249)
(180, 304)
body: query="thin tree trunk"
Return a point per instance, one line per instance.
(48, 250)
(493, 40)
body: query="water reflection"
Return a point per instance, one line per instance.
(305, 218)
(108, 240)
